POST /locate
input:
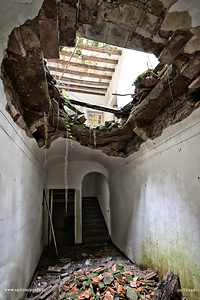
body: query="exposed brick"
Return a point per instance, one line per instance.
(67, 24)
(14, 43)
(117, 35)
(30, 34)
(48, 10)
(174, 46)
(193, 67)
(49, 38)
(97, 32)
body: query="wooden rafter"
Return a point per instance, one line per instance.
(66, 81)
(81, 65)
(115, 111)
(101, 50)
(91, 58)
(78, 73)
(84, 92)
(70, 70)
(83, 87)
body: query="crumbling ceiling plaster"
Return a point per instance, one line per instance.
(140, 25)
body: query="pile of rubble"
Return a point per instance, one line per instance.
(109, 281)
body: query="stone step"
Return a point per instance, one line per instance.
(94, 227)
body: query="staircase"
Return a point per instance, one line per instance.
(94, 227)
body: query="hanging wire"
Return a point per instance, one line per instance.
(58, 115)
(149, 61)
(65, 68)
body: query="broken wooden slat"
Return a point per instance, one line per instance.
(169, 287)
(141, 133)
(68, 104)
(91, 58)
(49, 38)
(193, 67)
(48, 292)
(195, 84)
(55, 295)
(81, 82)
(101, 50)
(174, 46)
(98, 107)
(77, 73)
(37, 124)
(81, 65)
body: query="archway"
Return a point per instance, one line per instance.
(95, 208)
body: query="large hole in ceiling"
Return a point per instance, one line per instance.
(35, 104)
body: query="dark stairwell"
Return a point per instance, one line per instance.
(94, 226)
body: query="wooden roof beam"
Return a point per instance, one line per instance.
(91, 58)
(81, 65)
(118, 112)
(104, 90)
(78, 73)
(66, 80)
(84, 92)
(98, 49)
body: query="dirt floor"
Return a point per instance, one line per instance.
(78, 260)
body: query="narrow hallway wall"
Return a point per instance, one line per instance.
(21, 181)
(155, 204)
(21, 210)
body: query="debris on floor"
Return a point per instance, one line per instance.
(105, 278)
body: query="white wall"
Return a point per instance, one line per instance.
(113, 87)
(89, 185)
(155, 204)
(21, 211)
(96, 185)
(21, 181)
(76, 171)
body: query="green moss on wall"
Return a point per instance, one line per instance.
(179, 254)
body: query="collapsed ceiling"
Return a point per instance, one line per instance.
(36, 106)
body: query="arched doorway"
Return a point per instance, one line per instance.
(95, 209)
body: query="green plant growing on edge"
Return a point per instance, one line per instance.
(67, 117)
